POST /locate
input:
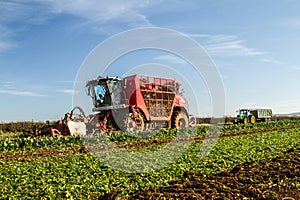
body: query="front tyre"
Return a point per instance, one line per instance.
(246, 121)
(253, 119)
(134, 123)
(179, 120)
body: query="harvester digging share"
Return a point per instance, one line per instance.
(74, 123)
(133, 103)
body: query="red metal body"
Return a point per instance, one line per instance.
(155, 97)
(142, 102)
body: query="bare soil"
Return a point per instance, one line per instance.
(36, 153)
(159, 142)
(278, 178)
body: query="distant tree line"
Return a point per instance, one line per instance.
(229, 119)
(282, 117)
(25, 127)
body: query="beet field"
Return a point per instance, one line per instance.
(255, 161)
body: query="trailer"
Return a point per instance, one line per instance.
(253, 115)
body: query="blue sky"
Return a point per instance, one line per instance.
(254, 44)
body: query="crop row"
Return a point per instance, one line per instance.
(37, 142)
(83, 175)
(162, 136)
(261, 125)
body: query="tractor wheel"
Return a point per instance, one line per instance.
(134, 123)
(246, 120)
(252, 119)
(179, 120)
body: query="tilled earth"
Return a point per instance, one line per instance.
(36, 153)
(278, 178)
(163, 141)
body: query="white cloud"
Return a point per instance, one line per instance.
(9, 8)
(95, 11)
(20, 93)
(232, 48)
(104, 16)
(8, 85)
(66, 81)
(226, 45)
(270, 60)
(6, 45)
(5, 42)
(68, 91)
(16, 12)
(10, 88)
(214, 38)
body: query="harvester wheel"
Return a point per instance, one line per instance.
(179, 120)
(253, 119)
(246, 120)
(134, 123)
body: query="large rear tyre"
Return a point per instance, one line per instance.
(179, 120)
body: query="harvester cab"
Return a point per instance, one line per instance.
(106, 93)
(109, 102)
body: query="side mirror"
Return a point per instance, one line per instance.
(88, 90)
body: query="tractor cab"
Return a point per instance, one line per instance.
(243, 113)
(242, 116)
(106, 93)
